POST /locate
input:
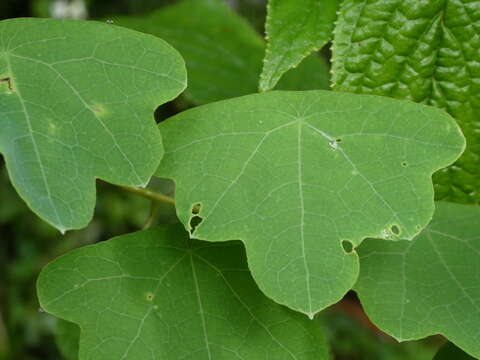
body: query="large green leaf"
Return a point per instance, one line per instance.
(159, 295)
(295, 29)
(451, 352)
(425, 51)
(429, 285)
(76, 103)
(222, 51)
(293, 174)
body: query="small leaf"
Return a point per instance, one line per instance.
(76, 103)
(294, 30)
(159, 295)
(430, 285)
(294, 174)
(451, 352)
(222, 51)
(424, 51)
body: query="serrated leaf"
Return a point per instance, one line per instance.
(222, 51)
(425, 51)
(451, 352)
(430, 285)
(294, 29)
(293, 174)
(159, 295)
(76, 103)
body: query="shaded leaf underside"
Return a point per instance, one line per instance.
(67, 336)
(222, 51)
(451, 352)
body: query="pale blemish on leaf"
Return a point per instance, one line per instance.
(8, 82)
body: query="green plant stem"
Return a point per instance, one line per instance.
(152, 216)
(150, 194)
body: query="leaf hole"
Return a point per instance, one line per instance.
(150, 297)
(395, 230)
(404, 164)
(347, 246)
(195, 221)
(196, 209)
(338, 140)
(195, 218)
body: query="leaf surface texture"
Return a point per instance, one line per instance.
(430, 285)
(76, 103)
(295, 29)
(159, 295)
(424, 51)
(293, 174)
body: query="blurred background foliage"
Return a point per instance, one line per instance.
(27, 244)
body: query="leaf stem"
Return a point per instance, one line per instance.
(152, 216)
(146, 193)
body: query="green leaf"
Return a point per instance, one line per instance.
(76, 103)
(159, 295)
(425, 51)
(430, 285)
(312, 74)
(293, 174)
(222, 51)
(67, 336)
(295, 29)
(451, 352)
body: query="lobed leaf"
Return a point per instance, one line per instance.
(424, 51)
(76, 103)
(293, 174)
(222, 51)
(159, 295)
(430, 285)
(294, 29)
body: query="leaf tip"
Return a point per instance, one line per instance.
(62, 229)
